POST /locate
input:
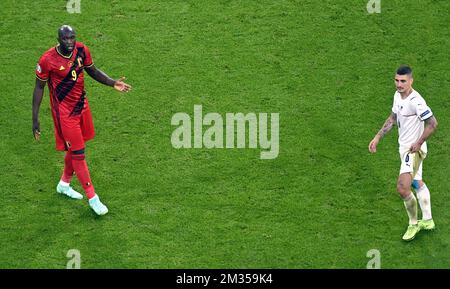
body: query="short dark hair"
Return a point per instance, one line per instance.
(65, 29)
(404, 70)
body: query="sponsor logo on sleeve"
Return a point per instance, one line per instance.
(38, 68)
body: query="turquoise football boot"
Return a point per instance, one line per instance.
(97, 206)
(68, 191)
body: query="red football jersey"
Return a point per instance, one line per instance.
(65, 78)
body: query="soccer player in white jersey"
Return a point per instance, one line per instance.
(415, 123)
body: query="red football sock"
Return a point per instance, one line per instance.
(68, 168)
(82, 172)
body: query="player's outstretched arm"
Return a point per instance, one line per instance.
(103, 78)
(37, 99)
(388, 124)
(430, 126)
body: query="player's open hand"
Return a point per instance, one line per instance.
(373, 145)
(122, 86)
(415, 147)
(37, 135)
(36, 132)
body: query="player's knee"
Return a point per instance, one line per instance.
(402, 188)
(78, 154)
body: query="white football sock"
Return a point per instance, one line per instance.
(411, 208)
(423, 194)
(62, 183)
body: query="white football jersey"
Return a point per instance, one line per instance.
(411, 113)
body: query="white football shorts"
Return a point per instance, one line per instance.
(412, 163)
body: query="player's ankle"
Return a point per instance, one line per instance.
(91, 195)
(63, 183)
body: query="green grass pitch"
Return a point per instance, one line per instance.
(326, 67)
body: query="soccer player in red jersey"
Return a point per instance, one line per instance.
(62, 67)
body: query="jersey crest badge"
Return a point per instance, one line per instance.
(61, 68)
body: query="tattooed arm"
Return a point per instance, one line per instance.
(430, 127)
(388, 124)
